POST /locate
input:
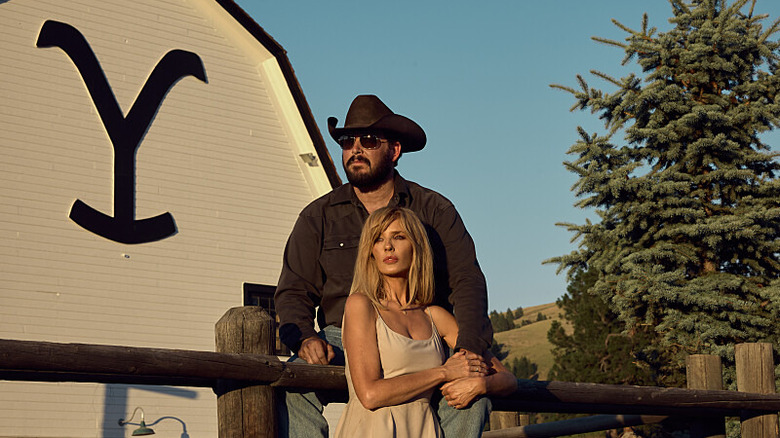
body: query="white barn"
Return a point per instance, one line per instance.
(154, 157)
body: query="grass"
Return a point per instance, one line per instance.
(531, 340)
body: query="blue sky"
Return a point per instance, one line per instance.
(475, 76)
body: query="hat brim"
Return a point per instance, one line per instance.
(406, 131)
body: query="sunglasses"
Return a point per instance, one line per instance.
(366, 141)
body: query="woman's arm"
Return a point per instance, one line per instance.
(448, 329)
(359, 338)
(445, 324)
(499, 381)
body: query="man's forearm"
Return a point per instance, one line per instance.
(475, 333)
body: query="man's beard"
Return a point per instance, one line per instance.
(376, 173)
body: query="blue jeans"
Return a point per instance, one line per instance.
(300, 413)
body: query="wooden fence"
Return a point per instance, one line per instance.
(244, 374)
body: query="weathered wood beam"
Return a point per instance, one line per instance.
(136, 365)
(133, 365)
(552, 396)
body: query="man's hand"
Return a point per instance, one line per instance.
(316, 351)
(475, 359)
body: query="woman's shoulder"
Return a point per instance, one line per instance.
(440, 315)
(359, 297)
(438, 310)
(359, 313)
(358, 302)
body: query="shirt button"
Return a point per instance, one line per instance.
(341, 244)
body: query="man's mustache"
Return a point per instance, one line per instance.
(356, 158)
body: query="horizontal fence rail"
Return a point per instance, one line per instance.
(59, 362)
(49, 361)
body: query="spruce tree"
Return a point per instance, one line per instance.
(687, 242)
(596, 350)
(510, 316)
(523, 368)
(500, 322)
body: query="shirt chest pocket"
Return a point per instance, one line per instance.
(338, 256)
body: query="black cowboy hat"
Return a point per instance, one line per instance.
(368, 115)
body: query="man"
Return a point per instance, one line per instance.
(320, 256)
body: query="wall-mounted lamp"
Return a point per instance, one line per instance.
(309, 159)
(142, 429)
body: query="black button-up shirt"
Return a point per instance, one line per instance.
(320, 256)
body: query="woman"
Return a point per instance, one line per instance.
(393, 337)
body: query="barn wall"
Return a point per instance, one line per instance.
(221, 156)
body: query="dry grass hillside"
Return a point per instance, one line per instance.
(531, 340)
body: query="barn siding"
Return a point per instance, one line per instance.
(222, 157)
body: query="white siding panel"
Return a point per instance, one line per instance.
(221, 157)
(66, 407)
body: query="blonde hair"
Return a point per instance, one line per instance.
(367, 278)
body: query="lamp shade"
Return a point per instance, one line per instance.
(143, 430)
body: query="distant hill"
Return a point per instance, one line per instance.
(531, 340)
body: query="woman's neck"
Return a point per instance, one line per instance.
(397, 290)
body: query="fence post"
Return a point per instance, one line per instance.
(245, 411)
(704, 371)
(756, 373)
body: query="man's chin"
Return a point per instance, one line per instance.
(364, 180)
(357, 174)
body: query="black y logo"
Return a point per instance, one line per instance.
(125, 132)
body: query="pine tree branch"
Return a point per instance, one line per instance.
(583, 84)
(564, 88)
(734, 9)
(584, 135)
(624, 27)
(711, 10)
(679, 6)
(771, 31)
(618, 126)
(607, 78)
(609, 42)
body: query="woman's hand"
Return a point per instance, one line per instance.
(464, 364)
(496, 381)
(460, 393)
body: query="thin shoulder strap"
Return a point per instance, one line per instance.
(430, 316)
(378, 315)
